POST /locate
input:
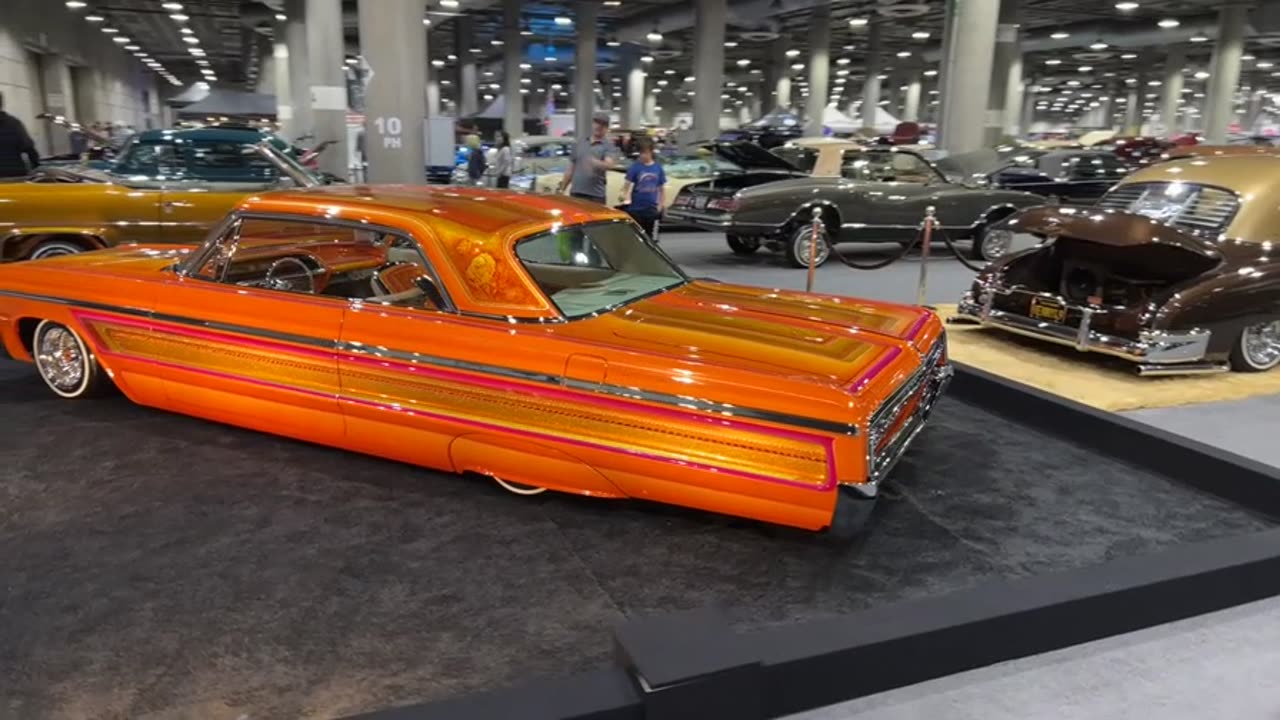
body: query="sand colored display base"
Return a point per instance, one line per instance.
(1097, 380)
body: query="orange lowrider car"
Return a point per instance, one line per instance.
(537, 340)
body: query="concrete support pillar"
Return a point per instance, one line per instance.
(395, 47)
(295, 40)
(651, 114)
(280, 72)
(56, 82)
(468, 82)
(432, 79)
(945, 75)
(1132, 110)
(708, 67)
(779, 81)
(911, 100)
(1013, 92)
(512, 56)
(819, 68)
(633, 94)
(584, 71)
(754, 104)
(1005, 55)
(871, 85)
(1224, 72)
(973, 46)
(1174, 63)
(325, 53)
(1028, 115)
(1253, 110)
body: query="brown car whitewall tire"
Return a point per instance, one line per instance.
(1258, 348)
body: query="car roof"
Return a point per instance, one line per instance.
(1254, 179)
(468, 231)
(484, 210)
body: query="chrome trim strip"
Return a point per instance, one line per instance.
(355, 348)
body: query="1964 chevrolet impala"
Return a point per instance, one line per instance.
(540, 341)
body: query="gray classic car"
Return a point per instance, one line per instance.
(881, 195)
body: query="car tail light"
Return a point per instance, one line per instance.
(728, 204)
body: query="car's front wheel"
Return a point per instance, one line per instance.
(802, 243)
(990, 243)
(742, 245)
(65, 362)
(1258, 348)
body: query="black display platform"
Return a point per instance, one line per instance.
(217, 572)
(697, 664)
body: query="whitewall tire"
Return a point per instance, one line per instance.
(1258, 348)
(54, 248)
(800, 243)
(65, 362)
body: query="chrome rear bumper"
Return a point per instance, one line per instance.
(1151, 347)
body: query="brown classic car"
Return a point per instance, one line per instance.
(165, 186)
(1176, 269)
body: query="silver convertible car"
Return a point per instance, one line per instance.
(881, 195)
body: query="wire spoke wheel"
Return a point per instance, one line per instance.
(1260, 345)
(994, 243)
(62, 360)
(803, 243)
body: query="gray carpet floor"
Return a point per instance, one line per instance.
(161, 566)
(1221, 665)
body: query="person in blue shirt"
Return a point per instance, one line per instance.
(643, 192)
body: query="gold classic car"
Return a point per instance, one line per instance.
(165, 186)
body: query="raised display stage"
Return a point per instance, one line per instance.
(156, 564)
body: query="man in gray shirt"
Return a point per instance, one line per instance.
(592, 157)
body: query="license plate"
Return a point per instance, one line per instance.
(700, 202)
(681, 200)
(1042, 309)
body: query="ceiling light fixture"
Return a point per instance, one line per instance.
(186, 31)
(654, 36)
(180, 17)
(136, 48)
(189, 39)
(920, 35)
(744, 62)
(523, 66)
(495, 42)
(1126, 6)
(1085, 68)
(437, 63)
(94, 18)
(1060, 35)
(172, 6)
(1052, 61)
(76, 4)
(843, 61)
(1129, 56)
(1264, 65)
(646, 58)
(110, 30)
(930, 73)
(797, 66)
(450, 4)
(613, 42)
(1169, 23)
(281, 17)
(904, 53)
(122, 39)
(858, 22)
(1099, 46)
(1198, 38)
(563, 21)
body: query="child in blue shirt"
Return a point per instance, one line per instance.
(642, 193)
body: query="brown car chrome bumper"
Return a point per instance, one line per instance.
(1152, 347)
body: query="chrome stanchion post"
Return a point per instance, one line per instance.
(657, 228)
(814, 229)
(926, 240)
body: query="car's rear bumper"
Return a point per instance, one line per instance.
(722, 222)
(1150, 347)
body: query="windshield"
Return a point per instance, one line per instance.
(586, 269)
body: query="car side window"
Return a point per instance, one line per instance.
(569, 247)
(886, 166)
(317, 258)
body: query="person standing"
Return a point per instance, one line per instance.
(15, 144)
(476, 163)
(586, 176)
(505, 164)
(643, 193)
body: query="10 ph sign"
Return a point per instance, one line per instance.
(389, 128)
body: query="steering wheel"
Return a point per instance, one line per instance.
(290, 274)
